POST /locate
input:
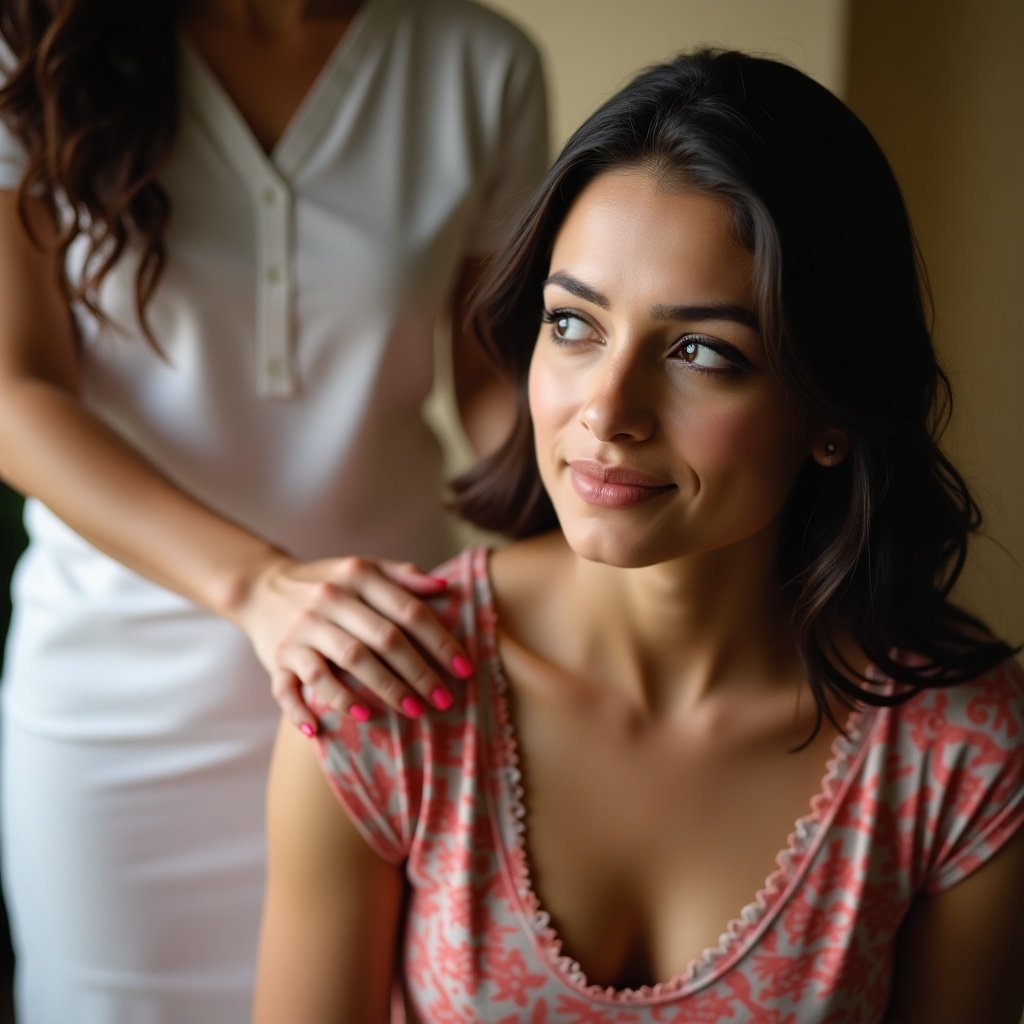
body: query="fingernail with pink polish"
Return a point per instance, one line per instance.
(441, 699)
(412, 707)
(360, 712)
(307, 729)
(462, 667)
(439, 581)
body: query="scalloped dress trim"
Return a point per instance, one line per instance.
(741, 933)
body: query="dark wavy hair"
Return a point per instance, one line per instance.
(872, 548)
(93, 98)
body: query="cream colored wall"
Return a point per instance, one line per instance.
(592, 47)
(941, 84)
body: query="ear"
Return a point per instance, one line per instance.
(831, 447)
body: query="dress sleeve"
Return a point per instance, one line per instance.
(376, 772)
(978, 784)
(522, 155)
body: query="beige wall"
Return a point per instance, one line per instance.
(591, 47)
(941, 84)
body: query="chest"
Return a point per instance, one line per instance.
(644, 849)
(268, 78)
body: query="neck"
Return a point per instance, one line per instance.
(267, 16)
(677, 633)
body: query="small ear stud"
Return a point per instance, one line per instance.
(826, 454)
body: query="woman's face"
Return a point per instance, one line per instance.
(659, 431)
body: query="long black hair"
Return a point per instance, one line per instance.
(872, 548)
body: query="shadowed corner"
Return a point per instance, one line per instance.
(12, 542)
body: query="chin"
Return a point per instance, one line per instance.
(600, 544)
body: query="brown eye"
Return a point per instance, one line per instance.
(701, 354)
(567, 327)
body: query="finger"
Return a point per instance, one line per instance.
(341, 698)
(317, 684)
(402, 638)
(287, 690)
(394, 603)
(408, 575)
(343, 649)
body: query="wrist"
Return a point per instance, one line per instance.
(232, 586)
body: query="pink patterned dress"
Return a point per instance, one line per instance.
(913, 800)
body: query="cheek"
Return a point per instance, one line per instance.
(549, 398)
(766, 436)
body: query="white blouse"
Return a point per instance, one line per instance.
(296, 317)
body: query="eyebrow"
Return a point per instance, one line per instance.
(707, 311)
(703, 311)
(579, 289)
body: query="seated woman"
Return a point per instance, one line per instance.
(724, 632)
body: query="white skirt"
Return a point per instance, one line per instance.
(136, 738)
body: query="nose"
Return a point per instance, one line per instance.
(620, 404)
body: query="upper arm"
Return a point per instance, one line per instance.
(331, 910)
(485, 401)
(37, 339)
(470, 364)
(960, 953)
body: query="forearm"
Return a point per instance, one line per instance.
(305, 620)
(54, 449)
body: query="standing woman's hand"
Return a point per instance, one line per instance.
(313, 624)
(305, 620)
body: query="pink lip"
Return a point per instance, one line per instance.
(614, 486)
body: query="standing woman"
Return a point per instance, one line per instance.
(227, 229)
(731, 754)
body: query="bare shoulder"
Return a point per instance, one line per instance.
(527, 575)
(515, 569)
(533, 598)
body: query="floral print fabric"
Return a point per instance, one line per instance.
(914, 799)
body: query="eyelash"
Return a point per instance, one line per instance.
(552, 316)
(738, 362)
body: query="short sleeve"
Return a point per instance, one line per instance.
(12, 153)
(978, 775)
(376, 771)
(521, 157)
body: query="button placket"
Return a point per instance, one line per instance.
(271, 201)
(275, 374)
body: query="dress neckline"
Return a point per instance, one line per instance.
(207, 98)
(509, 813)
